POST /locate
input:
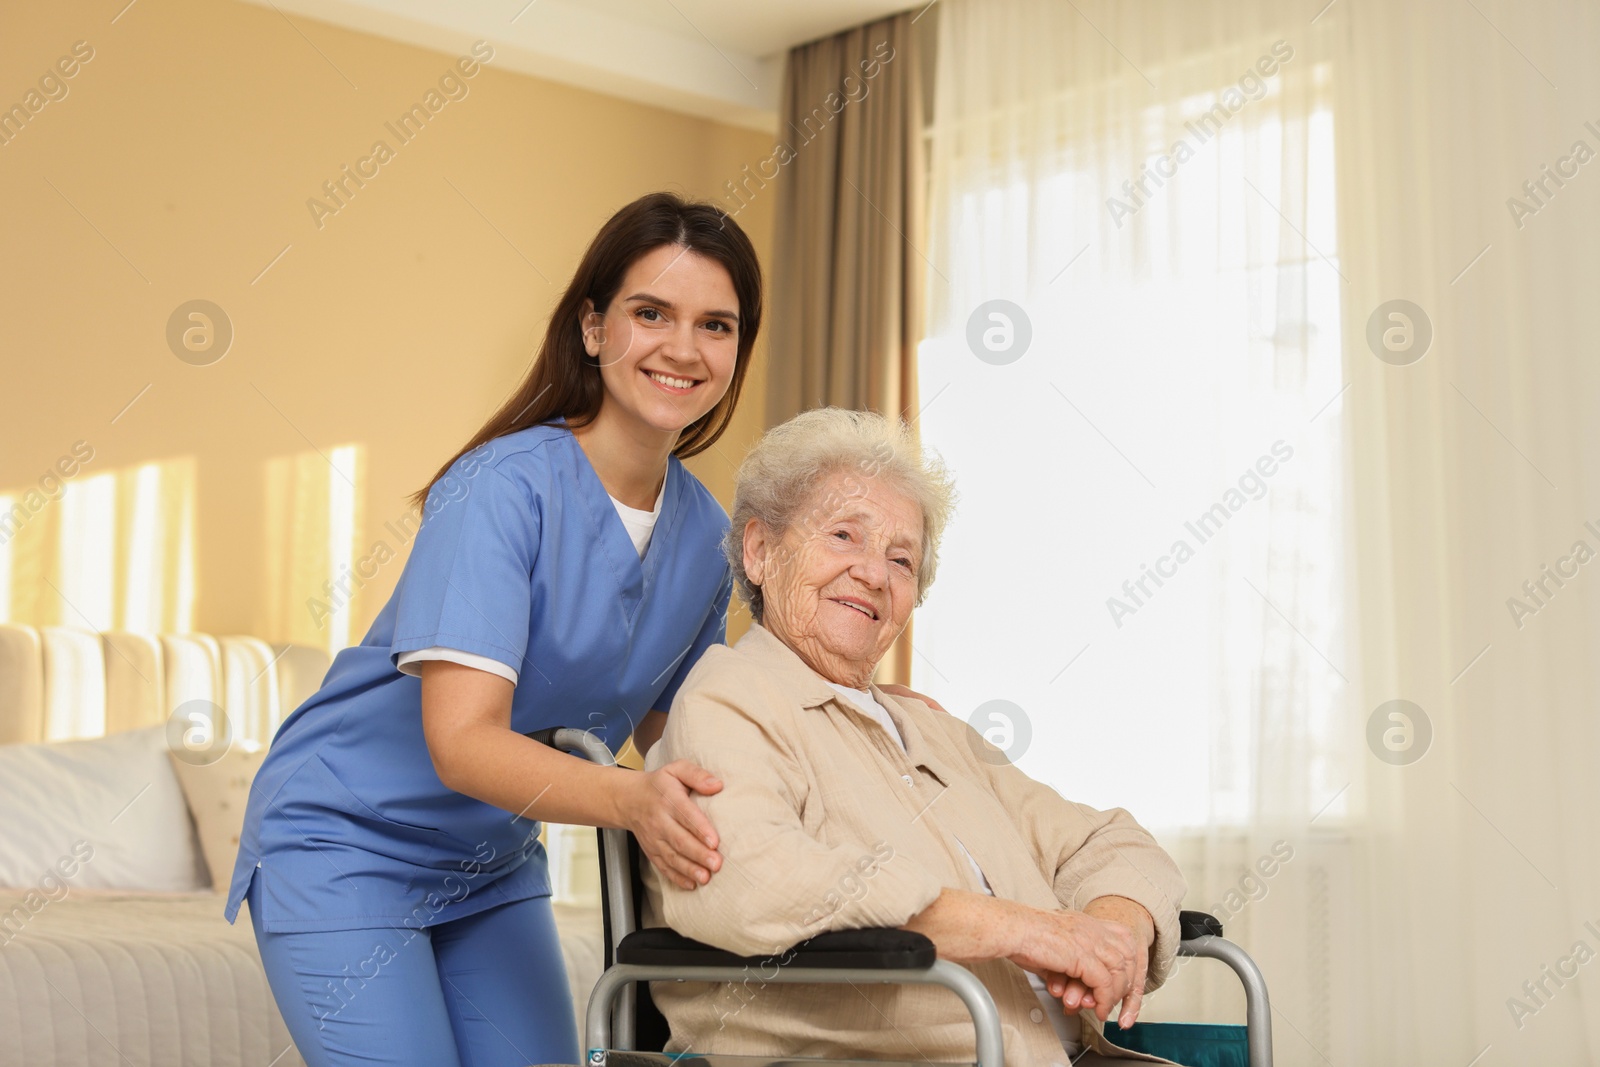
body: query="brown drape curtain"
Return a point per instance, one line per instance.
(848, 268)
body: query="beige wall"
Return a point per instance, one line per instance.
(179, 165)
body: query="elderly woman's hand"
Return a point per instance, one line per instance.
(1089, 962)
(1130, 913)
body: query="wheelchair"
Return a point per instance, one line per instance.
(623, 1028)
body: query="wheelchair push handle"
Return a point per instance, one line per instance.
(581, 742)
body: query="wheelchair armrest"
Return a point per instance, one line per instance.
(1193, 924)
(872, 950)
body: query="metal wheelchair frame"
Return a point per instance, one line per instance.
(877, 956)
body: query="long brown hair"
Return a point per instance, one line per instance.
(564, 383)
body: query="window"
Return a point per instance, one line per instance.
(1149, 535)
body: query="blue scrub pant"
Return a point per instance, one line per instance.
(483, 991)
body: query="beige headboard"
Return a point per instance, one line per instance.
(57, 682)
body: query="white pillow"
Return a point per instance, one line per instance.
(218, 793)
(102, 813)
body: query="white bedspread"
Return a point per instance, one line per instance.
(163, 980)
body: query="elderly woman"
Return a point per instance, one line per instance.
(845, 807)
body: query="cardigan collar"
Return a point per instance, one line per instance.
(813, 691)
(772, 655)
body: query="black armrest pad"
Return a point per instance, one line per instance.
(877, 949)
(1193, 924)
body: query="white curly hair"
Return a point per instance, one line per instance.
(779, 479)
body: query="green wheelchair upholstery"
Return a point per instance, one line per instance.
(1191, 1044)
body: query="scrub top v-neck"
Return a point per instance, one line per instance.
(521, 557)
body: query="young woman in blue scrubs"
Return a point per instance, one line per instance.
(566, 573)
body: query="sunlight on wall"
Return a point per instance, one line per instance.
(7, 502)
(341, 537)
(87, 550)
(313, 518)
(115, 551)
(144, 586)
(160, 528)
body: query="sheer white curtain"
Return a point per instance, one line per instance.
(1207, 534)
(1149, 535)
(1468, 188)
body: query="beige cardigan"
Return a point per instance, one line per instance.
(826, 824)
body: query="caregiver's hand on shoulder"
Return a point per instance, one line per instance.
(672, 831)
(912, 694)
(1101, 961)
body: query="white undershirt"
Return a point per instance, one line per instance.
(639, 524)
(1066, 1027)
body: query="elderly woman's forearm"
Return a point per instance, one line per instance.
(968, 927)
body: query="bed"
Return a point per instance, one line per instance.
(113, 949)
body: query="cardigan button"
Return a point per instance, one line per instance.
(907, 779)
(1036, 1015)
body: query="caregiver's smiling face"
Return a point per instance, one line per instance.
(839, 584)
(668, 342)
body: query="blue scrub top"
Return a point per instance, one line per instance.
(520, 557)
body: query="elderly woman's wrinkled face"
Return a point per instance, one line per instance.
(839, 584)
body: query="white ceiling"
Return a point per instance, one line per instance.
(719, 59)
